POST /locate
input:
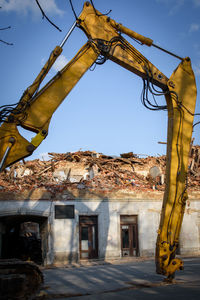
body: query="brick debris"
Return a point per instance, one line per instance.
(91, 170)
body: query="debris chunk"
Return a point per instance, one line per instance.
(92, 170)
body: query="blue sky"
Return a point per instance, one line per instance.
(103, 112)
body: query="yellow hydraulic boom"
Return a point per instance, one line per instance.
(35, 109)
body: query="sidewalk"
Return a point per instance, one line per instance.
(117, 278)
(97, 262)
(97, 277)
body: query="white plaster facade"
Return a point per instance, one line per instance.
(62, 235)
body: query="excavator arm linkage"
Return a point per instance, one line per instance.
(105, 39)
(40, 109)
(181, 101)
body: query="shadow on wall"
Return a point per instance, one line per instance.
(14, 244)
(90, 235)
(88, 229)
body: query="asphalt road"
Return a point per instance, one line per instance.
(122, 280)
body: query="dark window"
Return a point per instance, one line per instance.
(125, 236)
(64, 211)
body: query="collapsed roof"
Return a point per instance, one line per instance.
(95, 171)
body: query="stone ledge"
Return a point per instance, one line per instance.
(74, 194)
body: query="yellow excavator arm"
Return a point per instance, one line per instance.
(35, 109)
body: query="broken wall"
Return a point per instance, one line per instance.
(95, 185)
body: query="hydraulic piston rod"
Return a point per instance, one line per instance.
(11, 143)
(68, 35)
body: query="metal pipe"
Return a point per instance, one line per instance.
(4, 157)
(11, 142)
(167, 51)
(68, 34)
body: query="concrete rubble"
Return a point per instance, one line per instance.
(87, 170)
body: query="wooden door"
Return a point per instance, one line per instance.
(129, 236)
(88, 237)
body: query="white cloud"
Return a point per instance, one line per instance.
(60, 63)
(177, 5)
(174, 5)
(196, 2)
(194, 27)
(30, 6)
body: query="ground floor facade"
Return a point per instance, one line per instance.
(71, 230)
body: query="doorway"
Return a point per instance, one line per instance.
(129, 235)
(88, 237)
(24, 237)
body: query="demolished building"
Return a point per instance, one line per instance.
(86, 205)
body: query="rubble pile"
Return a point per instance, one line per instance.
(91, 170)
(194, 167)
